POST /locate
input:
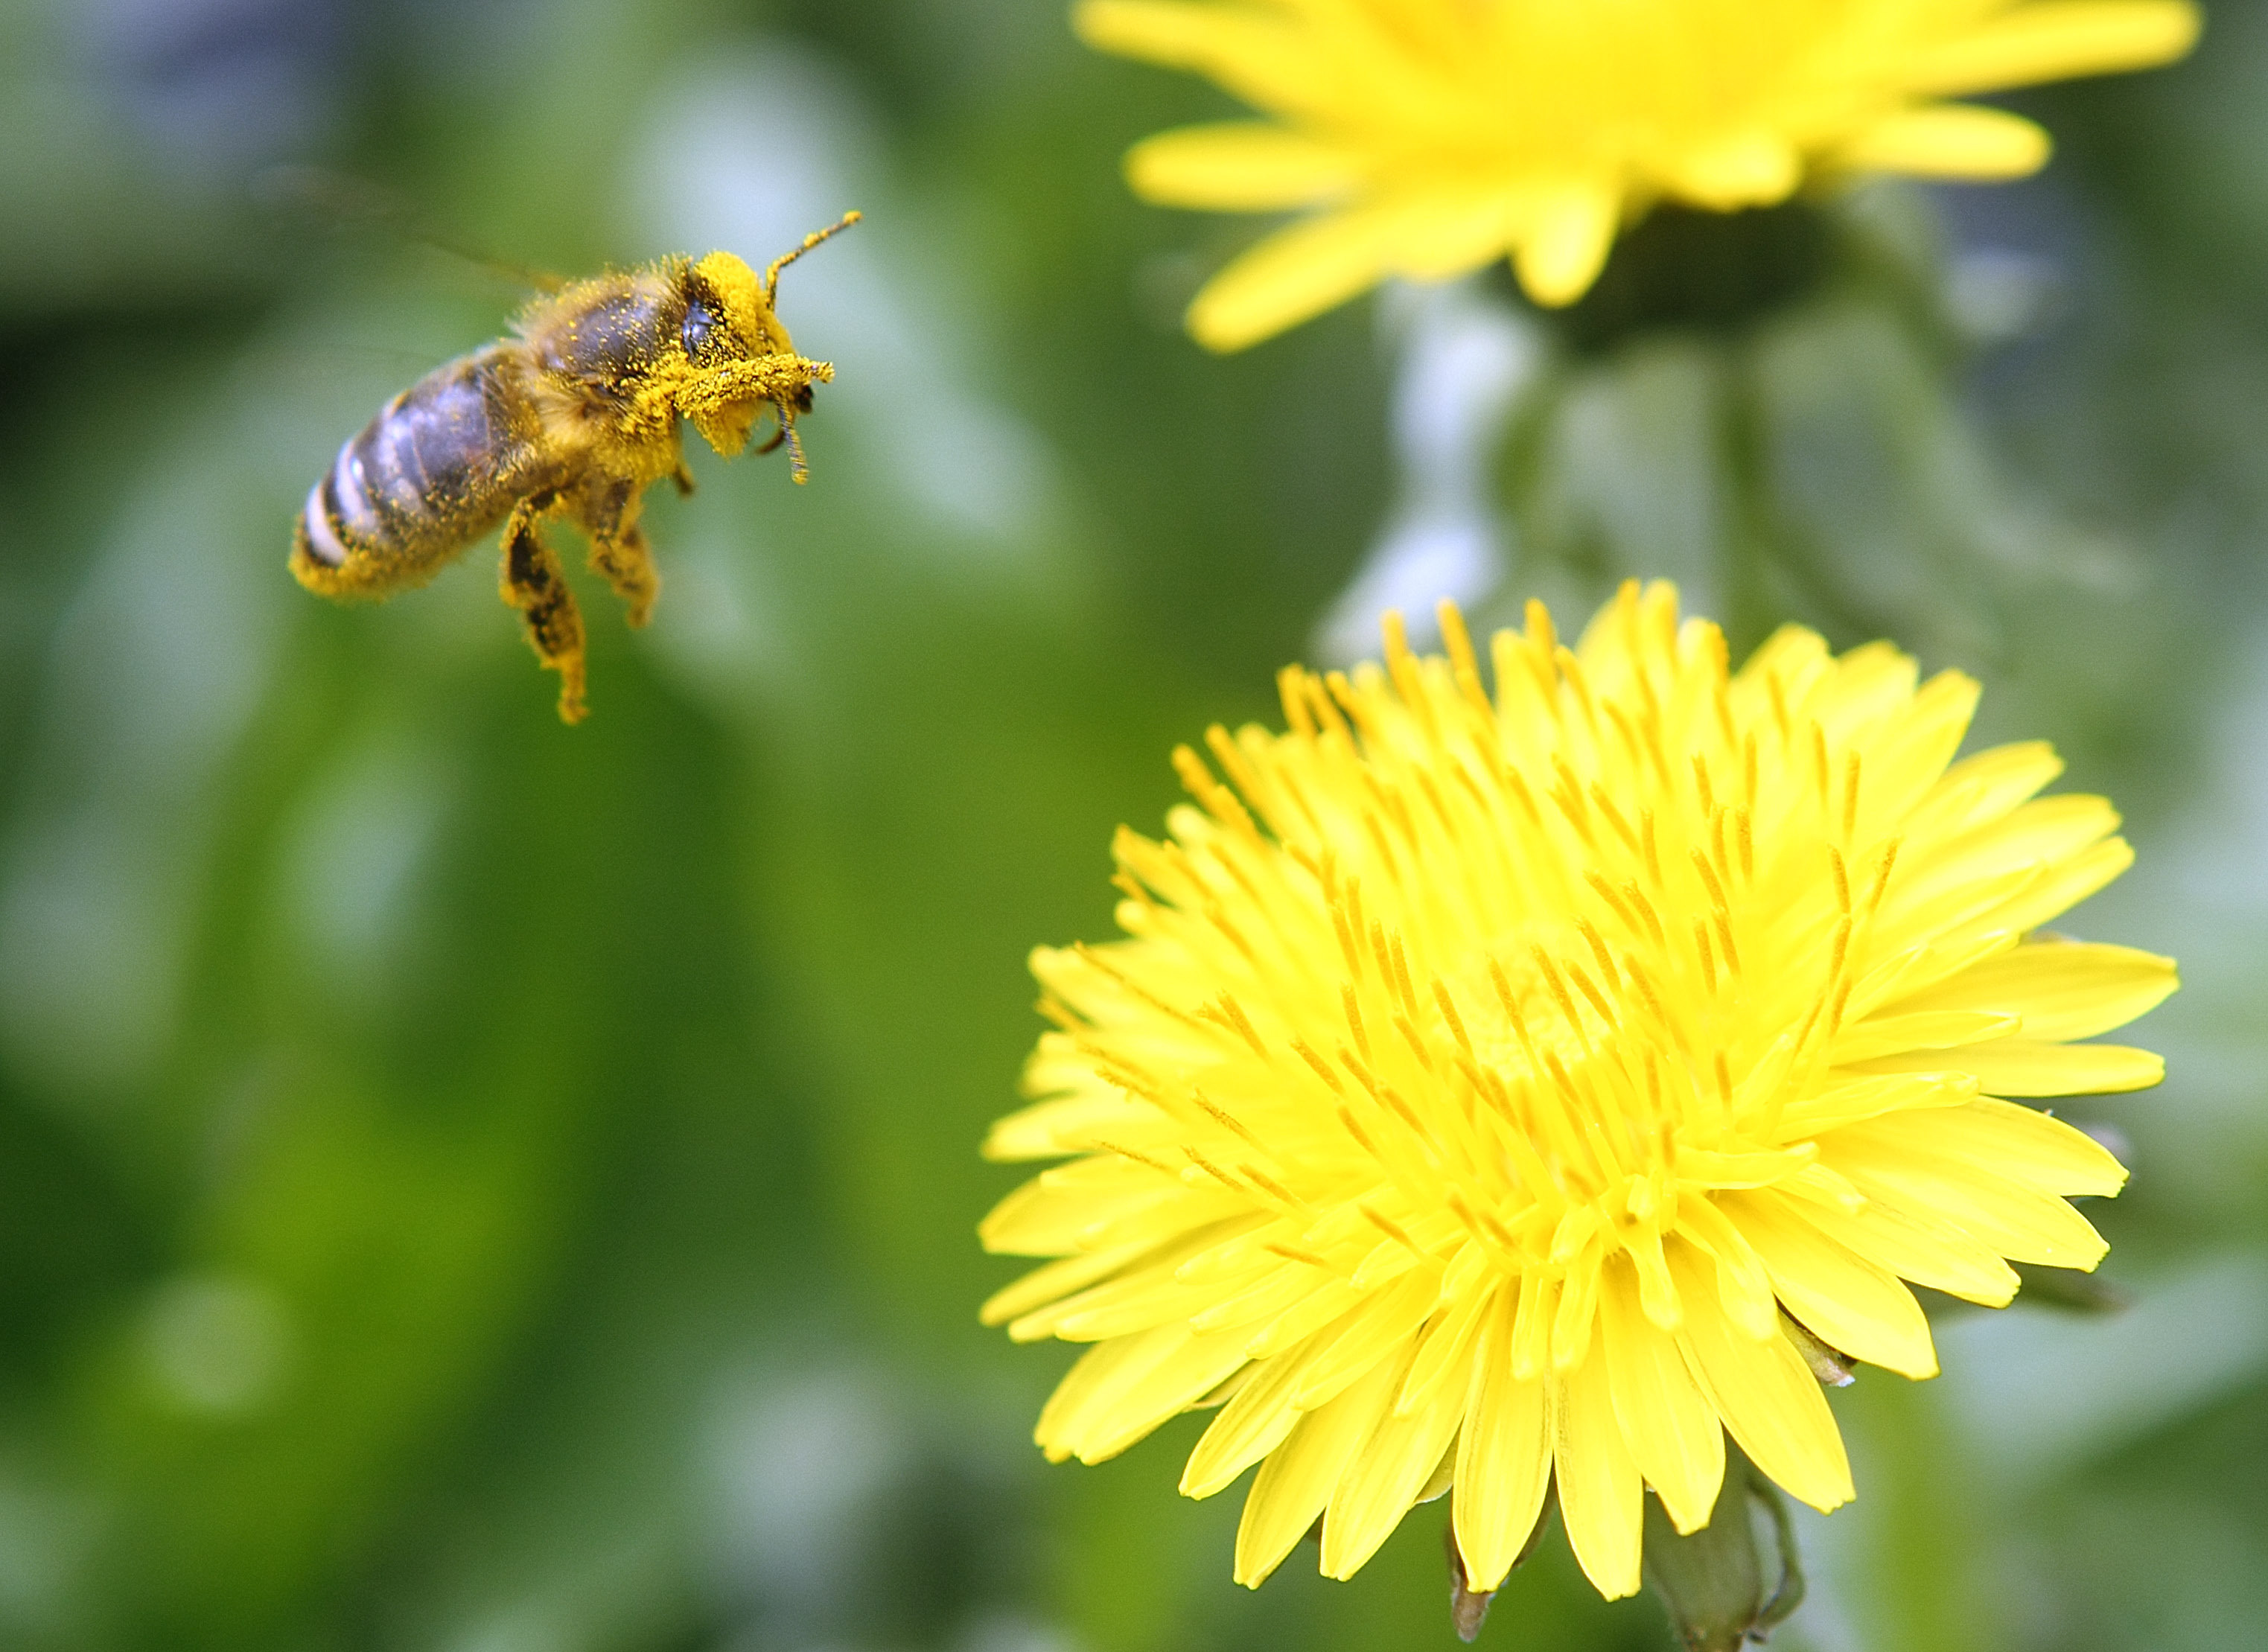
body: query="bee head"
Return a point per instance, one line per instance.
(727, 316)
(740, 359)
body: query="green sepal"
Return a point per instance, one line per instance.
(1715, 1583)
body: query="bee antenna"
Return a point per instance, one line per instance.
(772, 271)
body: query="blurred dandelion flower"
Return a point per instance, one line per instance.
(1434, 135)
(1486, 1085)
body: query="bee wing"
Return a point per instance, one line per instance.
(341, 198)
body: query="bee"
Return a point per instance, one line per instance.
(577, 413)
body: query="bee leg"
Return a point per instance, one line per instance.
(626, 561)
(534, 584)
(683, 478)
(619, 551)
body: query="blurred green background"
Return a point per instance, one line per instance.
(474, 1184)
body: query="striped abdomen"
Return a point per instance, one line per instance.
(441, 465)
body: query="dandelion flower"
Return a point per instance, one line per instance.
(1432, 136)
(1493, 1090)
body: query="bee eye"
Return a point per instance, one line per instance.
(703, 331)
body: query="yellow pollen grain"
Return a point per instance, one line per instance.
(1349, 1003)
(1579, 688)
(1472, 786)
(1353, 1127)
(1448, 1006)
(1497, 1230)
(1321, 1067)
(1292, 693)
(1720, 697)
(1597, 943)
(1348, 948)
(1227, 1121)
(1511, 1006)
(1401, 978)
(1636, 896)
(1591, 994)
(1228, 1002)
(1725, 939)
(1650, 726)
(1133, 1155)
(1646, 992)
(1121, 1070)
(1576, 1111)
(1440, 806)
(1267, 1184)
(1376, 831)
(1469, 1220)
(1462, 663)
(1350, 704)
(1241, 776)
(1833, 1021)
(1811, 1020)
(1190, 770)
(1557, 989)
(1213, 1169)
(1882, 876)
(1378, 952)
(1571, 808)
(1391, 1228)
(1522, 795)
(1415, 1040)
(1397, 810)
(1606, 893)
(1631, 746)
(1234, 865)
(1614, 816)
(1701, 949)
(1217, 916)
(1095, 960)
(1543, 638)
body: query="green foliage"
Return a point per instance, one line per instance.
(466, 1183)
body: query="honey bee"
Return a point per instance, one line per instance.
(576, 415)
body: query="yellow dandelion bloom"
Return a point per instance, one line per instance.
(1486, 1082)
(1432, 136)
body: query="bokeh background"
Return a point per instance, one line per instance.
(474, 1184)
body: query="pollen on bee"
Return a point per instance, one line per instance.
(575, 414)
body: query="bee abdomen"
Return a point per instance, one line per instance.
(441, 464)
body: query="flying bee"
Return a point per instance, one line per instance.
(577, 414)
